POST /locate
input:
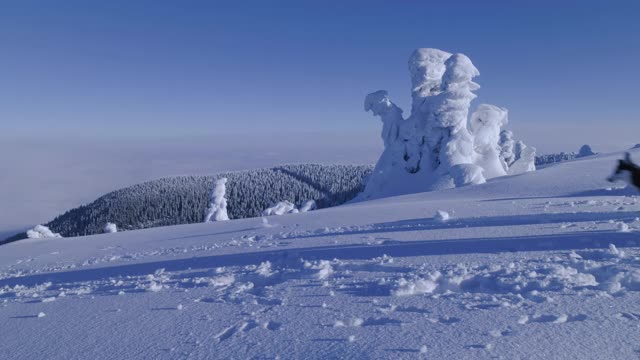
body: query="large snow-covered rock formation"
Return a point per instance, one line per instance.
(439, 145)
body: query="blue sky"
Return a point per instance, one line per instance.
(184, 68)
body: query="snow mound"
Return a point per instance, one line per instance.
(439, 146)
(42, 232)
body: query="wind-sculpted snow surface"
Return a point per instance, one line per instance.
(438, 146)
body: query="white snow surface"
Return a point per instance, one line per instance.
(532, 266)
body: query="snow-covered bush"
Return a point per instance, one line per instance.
(281, 208)
(308, 206)
(217, 210)
(41, 232)
(439, 145)
(110, 228)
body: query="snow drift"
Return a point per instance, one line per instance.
(439, 146)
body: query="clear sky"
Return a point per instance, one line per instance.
(166, 68)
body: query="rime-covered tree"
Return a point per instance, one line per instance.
(438, 146)
(217, 210)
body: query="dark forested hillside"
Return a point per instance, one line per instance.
(184, 199)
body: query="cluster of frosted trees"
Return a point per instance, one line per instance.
(185, 199)
(547, 159)
(439, 145)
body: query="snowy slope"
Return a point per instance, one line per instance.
(540, 265)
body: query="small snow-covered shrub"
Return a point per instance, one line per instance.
(42, 232)
(110, 228)
(281, 208)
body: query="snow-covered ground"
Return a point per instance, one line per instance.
(536, 266)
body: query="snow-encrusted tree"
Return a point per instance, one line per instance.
(439, 146)
(217, 210)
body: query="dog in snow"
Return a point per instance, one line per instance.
(626, 171)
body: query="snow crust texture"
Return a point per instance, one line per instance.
(439, 146)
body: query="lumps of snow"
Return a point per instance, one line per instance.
(281, 208)
(442, 216)
(110, 228)
(265, 269)
(325, 270)
(41, 314)
(154, 287)
(415, 287)
(623, 227)
(217, 210)
(614, 251)
(224, 280)
(42, 232)
(438, 146)
(561, 319)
